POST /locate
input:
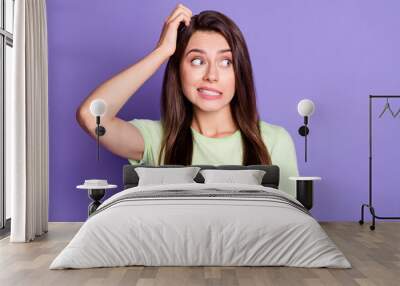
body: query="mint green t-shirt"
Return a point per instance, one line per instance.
(225, 150)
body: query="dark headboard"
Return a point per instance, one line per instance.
(270, 179)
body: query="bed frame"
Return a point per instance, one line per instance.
(270, 179)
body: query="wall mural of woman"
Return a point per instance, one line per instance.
(208, 102)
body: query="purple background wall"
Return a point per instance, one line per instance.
(333, 52)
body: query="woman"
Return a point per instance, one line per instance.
(208, 102)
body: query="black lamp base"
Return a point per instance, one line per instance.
(303, 130)
(100, 130)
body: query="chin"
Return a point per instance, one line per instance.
(210, 107)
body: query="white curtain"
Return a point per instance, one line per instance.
(27, 124)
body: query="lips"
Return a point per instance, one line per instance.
(209, 90)
(209, 94)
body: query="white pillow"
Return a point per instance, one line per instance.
(162, 176)
(249, 177)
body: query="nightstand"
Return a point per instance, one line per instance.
(304, 190)
(96, 193)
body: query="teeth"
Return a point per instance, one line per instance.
(209, 92)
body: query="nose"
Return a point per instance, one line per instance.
(211, 73)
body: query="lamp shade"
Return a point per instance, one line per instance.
(98, 107)
(305, 107)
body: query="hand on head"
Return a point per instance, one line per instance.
(168, 36)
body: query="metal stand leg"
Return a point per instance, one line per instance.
(374, 216)
(361, 221)
(372, 210)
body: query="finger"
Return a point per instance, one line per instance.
(176, 12)
(186, 9)
(173, 14)
(173, 11)
(180, 17)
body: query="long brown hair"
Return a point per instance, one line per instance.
(177, 110)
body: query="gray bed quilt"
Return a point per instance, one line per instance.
(201, 224)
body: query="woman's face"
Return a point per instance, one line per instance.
(207, 74)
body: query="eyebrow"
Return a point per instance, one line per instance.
(203, 52)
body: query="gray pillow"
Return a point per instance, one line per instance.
(162, 176)
(249, 177)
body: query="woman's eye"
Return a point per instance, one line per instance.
(226, 62)
(196, 61)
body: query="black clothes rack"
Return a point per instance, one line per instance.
(369, 205)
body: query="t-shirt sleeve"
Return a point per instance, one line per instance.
(284, 155)
(151, 132)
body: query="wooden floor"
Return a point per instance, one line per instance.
(374, 255)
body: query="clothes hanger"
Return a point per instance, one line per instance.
(397, 113)
(387, 106)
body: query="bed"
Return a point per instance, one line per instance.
(201, 224)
